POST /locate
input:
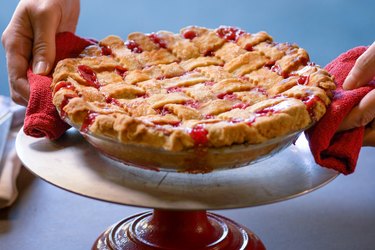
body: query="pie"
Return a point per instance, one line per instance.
(201, 88)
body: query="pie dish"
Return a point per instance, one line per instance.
(199, 89)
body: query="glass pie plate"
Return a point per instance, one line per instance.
(197, 160)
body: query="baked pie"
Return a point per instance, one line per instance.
(201, 88)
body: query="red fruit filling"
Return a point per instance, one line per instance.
(199, 135)
(157, 40)
(64, 102)
(303, 80)
(310, 102)
(249, 47)
(174, 89)
(113, 101)
(240, 105)
(265, 111)
(189, 34)
(227, 96)
(88, 121)
(120, 71)
(192, 104)
(89, 75)
(133, 46)
(65, 85)
(106, 51)
(229, 33)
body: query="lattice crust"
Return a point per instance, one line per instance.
(199, 88)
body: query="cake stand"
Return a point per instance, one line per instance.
(179, 200)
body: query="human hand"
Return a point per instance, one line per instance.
(30, 37)
(364, 113)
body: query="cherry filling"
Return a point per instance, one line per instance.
(65, 85)
(303, 80)
(106, 51)
(189, 34)
(261, 90)
(133, 46)
(227, 96)
(210, 53)
(175, 124)
(310, 102)
(164, 111)
(157, 40)
(89, 75)
(88, 121)
(277, 69)
(111, 100)
(270, 63)
(209, 116)
(121, 71)
(209, 83)
(240, 105)
(145, 95)
(174, 89)
(248, 121)
(192, 104)
(244, 78)
(229, 33)
(249, 47)
(199, 135)
(162, 77)
(265, 111)
(65, 102)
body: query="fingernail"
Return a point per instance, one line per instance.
(40, 68)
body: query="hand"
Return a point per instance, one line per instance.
(364, 113)
(30, 37)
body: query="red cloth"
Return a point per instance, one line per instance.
(339, 151)
(42, 118)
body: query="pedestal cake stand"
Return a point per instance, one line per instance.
(179, 200)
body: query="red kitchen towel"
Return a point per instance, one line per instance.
(339, 151)
(42, 118)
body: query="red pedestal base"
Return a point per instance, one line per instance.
(178, 230)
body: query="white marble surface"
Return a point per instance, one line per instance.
(339, 215)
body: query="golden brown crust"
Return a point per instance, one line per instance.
(202, 87)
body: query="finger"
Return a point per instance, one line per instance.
(20, 90)
(44, 25)
(17, 47)
(369, 137)
(17, 98)
(360, 115)
(363, 70)
(69, 16)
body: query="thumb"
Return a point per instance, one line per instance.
(44, 48)
(363, 70)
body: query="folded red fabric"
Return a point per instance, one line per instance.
(42, 118)
(339, 151)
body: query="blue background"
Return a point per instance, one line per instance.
(325, 28)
